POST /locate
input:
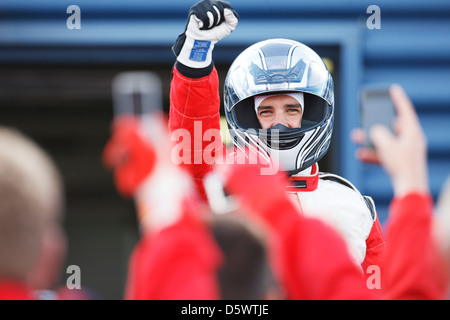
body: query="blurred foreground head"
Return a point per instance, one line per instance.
(32, 243)
(246, 273)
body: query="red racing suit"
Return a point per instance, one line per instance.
(195, 115)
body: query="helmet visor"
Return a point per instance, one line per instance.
(314, 112)
(277, 65)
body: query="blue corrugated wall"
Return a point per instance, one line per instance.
(412, 48)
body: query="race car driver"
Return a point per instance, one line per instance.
(279, 102)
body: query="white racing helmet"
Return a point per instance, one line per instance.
(279, 66)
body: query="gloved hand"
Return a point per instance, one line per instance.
(130, 156)
(208, 22)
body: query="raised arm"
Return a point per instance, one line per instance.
(194, 119)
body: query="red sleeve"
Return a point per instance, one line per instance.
(177, 263)
(313, 260)
(195, 115)
(375, 248)
(413, 267)
(310, 259)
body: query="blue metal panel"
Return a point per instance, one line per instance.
(149, 32)
(427, 86)
(352, 63)
(437, 129)
(114, 39)
(250, 7)
(379, 185)
(93, 32)
(405, 41)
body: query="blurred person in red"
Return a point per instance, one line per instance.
(279, 106)
(32, 239)
(415, 267)
(176, 257)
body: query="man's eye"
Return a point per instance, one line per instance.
(265, 112)
(293, 110)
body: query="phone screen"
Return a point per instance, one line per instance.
(376, 108)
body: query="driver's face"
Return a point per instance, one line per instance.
(281, 109)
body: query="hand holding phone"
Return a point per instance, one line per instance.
(403, 154)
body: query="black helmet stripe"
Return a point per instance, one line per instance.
(308, 144)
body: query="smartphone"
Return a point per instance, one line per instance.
(376, 107)
(136, 93)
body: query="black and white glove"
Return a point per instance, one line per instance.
(208, 22)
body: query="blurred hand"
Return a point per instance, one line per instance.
(130, 156)
(403, 155)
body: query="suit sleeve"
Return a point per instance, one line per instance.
(194, 123)
(414, 268)
(313, 259)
